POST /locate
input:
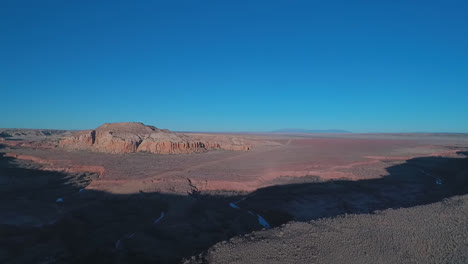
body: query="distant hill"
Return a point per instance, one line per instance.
(299, 130)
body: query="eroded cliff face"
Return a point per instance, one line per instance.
(86, 137)
(133, 137)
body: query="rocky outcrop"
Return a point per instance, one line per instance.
(85, 137)
(175, 147)
(137, 137)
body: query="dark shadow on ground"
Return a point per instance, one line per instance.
(98, 227)
(419, 181)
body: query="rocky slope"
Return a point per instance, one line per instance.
(136, 137)
(434, 233)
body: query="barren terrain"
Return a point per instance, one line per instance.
(75, 203)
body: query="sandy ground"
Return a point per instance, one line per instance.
(361, 193)
(276, 159)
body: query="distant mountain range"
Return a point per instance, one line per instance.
(299, 130)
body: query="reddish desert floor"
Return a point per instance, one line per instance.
(62, 205)
(274, 159)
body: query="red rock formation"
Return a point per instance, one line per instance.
(133, 137)
(85, 137)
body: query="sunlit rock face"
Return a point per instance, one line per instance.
(133, 137)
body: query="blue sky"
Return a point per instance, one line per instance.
(363, 66)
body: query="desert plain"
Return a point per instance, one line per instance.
(133, 193)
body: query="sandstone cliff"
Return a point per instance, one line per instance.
(133, 137)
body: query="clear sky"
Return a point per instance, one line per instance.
(363, 66)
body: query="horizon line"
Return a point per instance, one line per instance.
(259, 132)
